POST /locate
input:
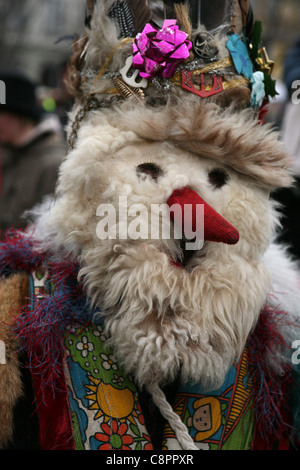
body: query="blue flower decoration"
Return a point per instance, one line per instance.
(258, 89)
(240, 56)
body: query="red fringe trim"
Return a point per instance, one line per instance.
(55, 425)
(271, 390)
(262, 113)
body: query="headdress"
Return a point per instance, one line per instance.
(154, 51)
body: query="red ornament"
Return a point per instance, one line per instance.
(187, 84)
(263, 110)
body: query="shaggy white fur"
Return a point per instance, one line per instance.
(163, 320)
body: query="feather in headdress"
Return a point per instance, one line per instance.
(122, 14)
(131, 16)
(158, 12)
(141, 13)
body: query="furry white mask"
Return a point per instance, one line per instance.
(163, 320)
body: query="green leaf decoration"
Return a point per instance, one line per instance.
(135, 429)
(270, 86)
(256, 39)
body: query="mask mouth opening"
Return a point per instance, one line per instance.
(186, 257)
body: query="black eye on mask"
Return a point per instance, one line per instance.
(149, 169)
(218, 177)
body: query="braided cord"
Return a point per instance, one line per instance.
(181, 432)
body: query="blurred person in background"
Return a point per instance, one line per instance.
(32, 147)
(289, 198)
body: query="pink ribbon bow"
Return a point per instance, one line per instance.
(159, 52)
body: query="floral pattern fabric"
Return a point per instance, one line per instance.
(105, 411)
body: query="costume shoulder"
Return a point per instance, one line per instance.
(13, 291)
(285, 280)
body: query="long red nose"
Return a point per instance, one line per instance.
(216, 228)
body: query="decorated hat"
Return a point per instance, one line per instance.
(153, 51)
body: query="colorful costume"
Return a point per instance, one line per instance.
(150, 323)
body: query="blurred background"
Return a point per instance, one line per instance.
(36, 35)
(281, 22)
(36, 38)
